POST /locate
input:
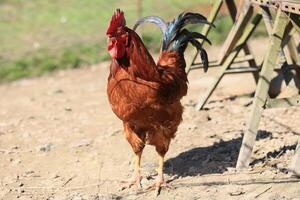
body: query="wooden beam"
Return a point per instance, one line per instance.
(234, 13)
(290, 6)
(295, 20)
(211, 18)
(215, 63)
(284, 5)
(206, 28)
(267, 19)
(295, 164)
(261, 93)
(232, 9)
(295, 56)
(241, 70)
(236, 31)
(283, 102)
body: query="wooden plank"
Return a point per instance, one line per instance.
(233, 13)
(206, 28)
(261, 93)
(229, 60)
(293, 52)
(290, 53)
(241, 70)
(284, 5)
(291, 7)
(283, 102)
(252, 63)
(211, 18)
(215, 63)
(265, 3)
(295, 164)
(236, 31)
(267, 19)
(232, 9)
(295, 20)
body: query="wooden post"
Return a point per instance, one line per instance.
(236, 31)
(295, 164)
(234, 13)
(261, 93)
(206, 28)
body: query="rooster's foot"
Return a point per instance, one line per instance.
(158, 186)
(128, 184)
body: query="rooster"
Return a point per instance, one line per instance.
(144, 95)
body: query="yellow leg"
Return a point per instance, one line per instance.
(137, 177)
(160, 179)
(138, 164)
(160, 169)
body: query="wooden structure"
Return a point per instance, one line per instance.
(281, 48)
(287, 19)
(236, 42)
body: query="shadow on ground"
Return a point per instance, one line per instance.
(205, 160)
(212, 159)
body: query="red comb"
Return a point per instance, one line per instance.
(117, 21)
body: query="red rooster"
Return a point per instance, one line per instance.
(144, 95)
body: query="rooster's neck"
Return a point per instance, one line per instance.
(142, 64)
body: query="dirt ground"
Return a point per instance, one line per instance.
(60, 140)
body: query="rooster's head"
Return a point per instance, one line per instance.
(117, 35)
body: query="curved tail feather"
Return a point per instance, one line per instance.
(152, 19)
(175, 27)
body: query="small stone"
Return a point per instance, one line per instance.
(21, 190)
(106, 197)
(94, 197)
(29, 172)
(68, 109)
(54, 176)
(237, 192)
(231, 169)
(81, 143)
(16, 161)
(46, 147)
(58, 91)
(31, 117)
(144, 182)
(15, 147)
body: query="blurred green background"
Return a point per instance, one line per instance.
(38, 36)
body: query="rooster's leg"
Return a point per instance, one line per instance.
(160, 179)
(160, 170)
(137, 170)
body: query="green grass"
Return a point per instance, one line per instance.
(40, 36)
(46, 61)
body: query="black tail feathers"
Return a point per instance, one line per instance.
(176, 37)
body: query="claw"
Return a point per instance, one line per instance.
(128, 184)
(158, 186)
